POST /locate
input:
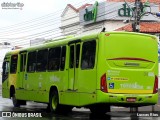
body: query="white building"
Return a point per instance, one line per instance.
(110, 14)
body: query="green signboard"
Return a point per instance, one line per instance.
(127, 12)
(91, 15)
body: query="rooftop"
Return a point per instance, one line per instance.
(151, 1)
(145, 27)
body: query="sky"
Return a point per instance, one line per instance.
(32, 9)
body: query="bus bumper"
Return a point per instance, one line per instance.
(127, 99)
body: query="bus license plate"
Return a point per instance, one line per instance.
(131, 99)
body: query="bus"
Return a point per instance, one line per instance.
(95, 71)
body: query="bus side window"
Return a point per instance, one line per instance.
(13, 68)
(63, 57)
(31, 64)
(88, 55)
(42, 58)
(54, 59)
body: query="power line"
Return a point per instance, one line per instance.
(51, 35)
(19, 29)
(26, 31)
(51, 21)
(70, 31)
(30, 21)
(58, 12)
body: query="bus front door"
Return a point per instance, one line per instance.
(22, 75)
(5, 77)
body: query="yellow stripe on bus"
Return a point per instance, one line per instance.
(129, 91)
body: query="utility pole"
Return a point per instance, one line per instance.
(137, 12)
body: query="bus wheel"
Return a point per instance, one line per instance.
(16, 102)
(99, 109)
(54, 101)
(67, 109)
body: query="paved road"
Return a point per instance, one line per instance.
(117, 113)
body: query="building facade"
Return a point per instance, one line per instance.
(110, 14)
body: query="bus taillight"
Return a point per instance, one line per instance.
(155, 89)
(104, 83)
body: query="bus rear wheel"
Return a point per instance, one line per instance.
(99, 109)
(54, 101)
(16, 102)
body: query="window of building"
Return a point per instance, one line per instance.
(31, 64)
(88, 55)
(42, 58)
(14, 60)
(63, 57)
(54, 58)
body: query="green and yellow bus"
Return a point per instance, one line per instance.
(94, 71)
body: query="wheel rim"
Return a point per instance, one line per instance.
(54, 102)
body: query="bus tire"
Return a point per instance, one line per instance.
(67, 108)
(99, 109)
(54, 101)
(16, 102)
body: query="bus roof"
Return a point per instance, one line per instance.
(13, 52)
(63, 41)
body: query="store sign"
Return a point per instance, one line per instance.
(91, 15)
(113, 11)
(125, 11)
